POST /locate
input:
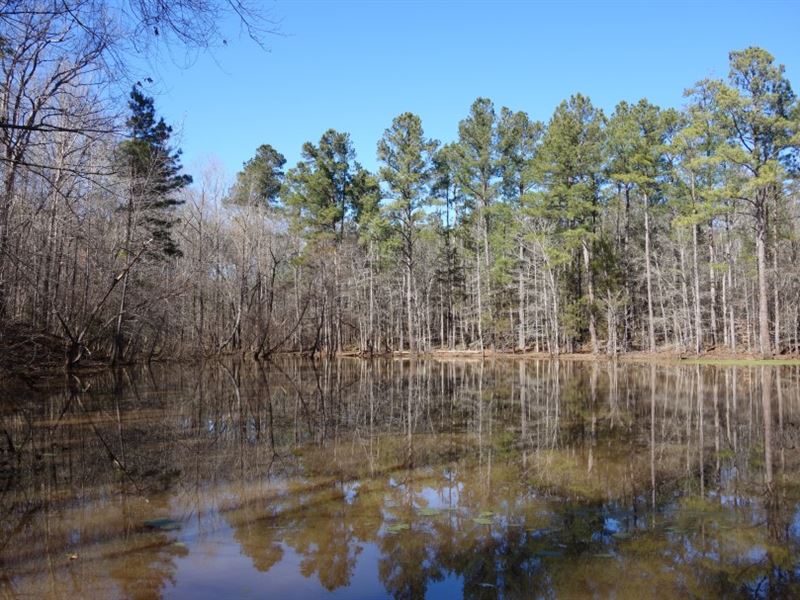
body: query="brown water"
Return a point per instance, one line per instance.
(403, 479)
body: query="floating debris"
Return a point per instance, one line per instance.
(163, 524)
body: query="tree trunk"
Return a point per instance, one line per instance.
(776, 297)
(761, 254)
(371, 341)
(731, 310)
(480, 306)
(712, 258)
(651, 332)
(698, 326)
(410, 310)
(521, 301)
(5, 216)
(119, 342)
(587, 264)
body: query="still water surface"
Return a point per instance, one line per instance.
(403, 479)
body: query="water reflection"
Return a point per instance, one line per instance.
(403, 479)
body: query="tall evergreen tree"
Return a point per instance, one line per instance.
(518, 138)
(450, 202)
(407, 158)
(478, 164)
(319, 191)
(325, 194)
(697, 195)
(477, 174)
(569, 165)
(759, 114)
(152, 168)
(637, 135)
(260, 180)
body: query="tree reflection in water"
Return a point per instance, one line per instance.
(494, 479)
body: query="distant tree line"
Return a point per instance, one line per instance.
(647, 229)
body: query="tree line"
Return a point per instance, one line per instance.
(648, 229)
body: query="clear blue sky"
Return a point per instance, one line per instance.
(353, 66)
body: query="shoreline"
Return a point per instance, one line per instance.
(49, 372)
(667, 357)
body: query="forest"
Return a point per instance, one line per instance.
(649, 229)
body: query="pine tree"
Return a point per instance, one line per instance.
(152, 169)
(477, 173)
(319, 191)
(407, 170)
(518, 138)
(449, 198)
(760, 116)
(637, 135)
(569, 165)
(260, 180)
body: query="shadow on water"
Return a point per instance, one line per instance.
(403, 479)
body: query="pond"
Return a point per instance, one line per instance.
(403, 479)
